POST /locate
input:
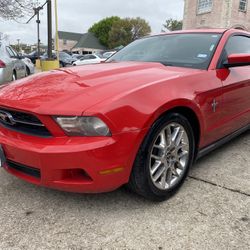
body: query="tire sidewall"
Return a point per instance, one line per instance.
(148, 144)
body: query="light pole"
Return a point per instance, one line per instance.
(49, 63)
(56, 38)
(49, 13)
(37, 13)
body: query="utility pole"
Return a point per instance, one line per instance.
(49, 13)
(56, 26)
(50, 63)
(37, 13)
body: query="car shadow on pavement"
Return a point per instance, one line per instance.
(215, 153)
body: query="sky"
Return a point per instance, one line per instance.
(79, 15)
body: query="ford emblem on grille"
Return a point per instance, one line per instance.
(7, 118)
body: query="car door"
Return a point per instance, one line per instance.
(236, 86)
(95, 59)
(19, 64)
(84, 60)
(10, 62)
(13, 63)
(91, 59)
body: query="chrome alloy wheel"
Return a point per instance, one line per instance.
(169, 156)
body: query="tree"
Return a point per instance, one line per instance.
(15, 9)
(127, 30)
(102, 28)
(172, 25)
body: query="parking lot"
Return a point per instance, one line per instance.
(211, 211)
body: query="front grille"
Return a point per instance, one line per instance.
(23, 122)
(34, 172)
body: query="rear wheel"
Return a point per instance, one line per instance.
(27, 72)
(164, 158)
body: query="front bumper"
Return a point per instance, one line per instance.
(79, 164)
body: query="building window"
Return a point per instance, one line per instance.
(243, 5)
(64, 42)
(204, 6)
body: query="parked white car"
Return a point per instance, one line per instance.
(89, 59)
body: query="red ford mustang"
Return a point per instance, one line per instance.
(141, 118)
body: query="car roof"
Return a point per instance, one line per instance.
(219, 31)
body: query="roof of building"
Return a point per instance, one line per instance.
(88, 40)
(69, 35)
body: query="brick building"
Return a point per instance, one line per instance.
(217, 14)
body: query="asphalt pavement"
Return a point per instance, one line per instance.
(211, 211)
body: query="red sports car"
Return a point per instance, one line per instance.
(141, 118)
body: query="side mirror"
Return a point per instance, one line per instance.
(237, 60)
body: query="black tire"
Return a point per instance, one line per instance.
(27, 71)
(140, 180)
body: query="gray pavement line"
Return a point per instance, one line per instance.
(217, 185)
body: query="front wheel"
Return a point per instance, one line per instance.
(164, 158)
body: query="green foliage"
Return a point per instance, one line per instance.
(114, 31)
(127, 30)
(172, 25)
(102, 28)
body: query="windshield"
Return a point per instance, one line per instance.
(191, 50)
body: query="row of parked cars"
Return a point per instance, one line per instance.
(12, 65)
(15, 66)
(66, 59)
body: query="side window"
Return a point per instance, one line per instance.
(14, 52)
(92, 57)
(86, 57)
(235, 45)
(10, 52)
(238, 45)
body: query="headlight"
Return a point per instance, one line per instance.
(83, 126)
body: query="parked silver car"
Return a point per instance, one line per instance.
(11, 65)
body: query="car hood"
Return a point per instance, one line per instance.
(73, 90)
